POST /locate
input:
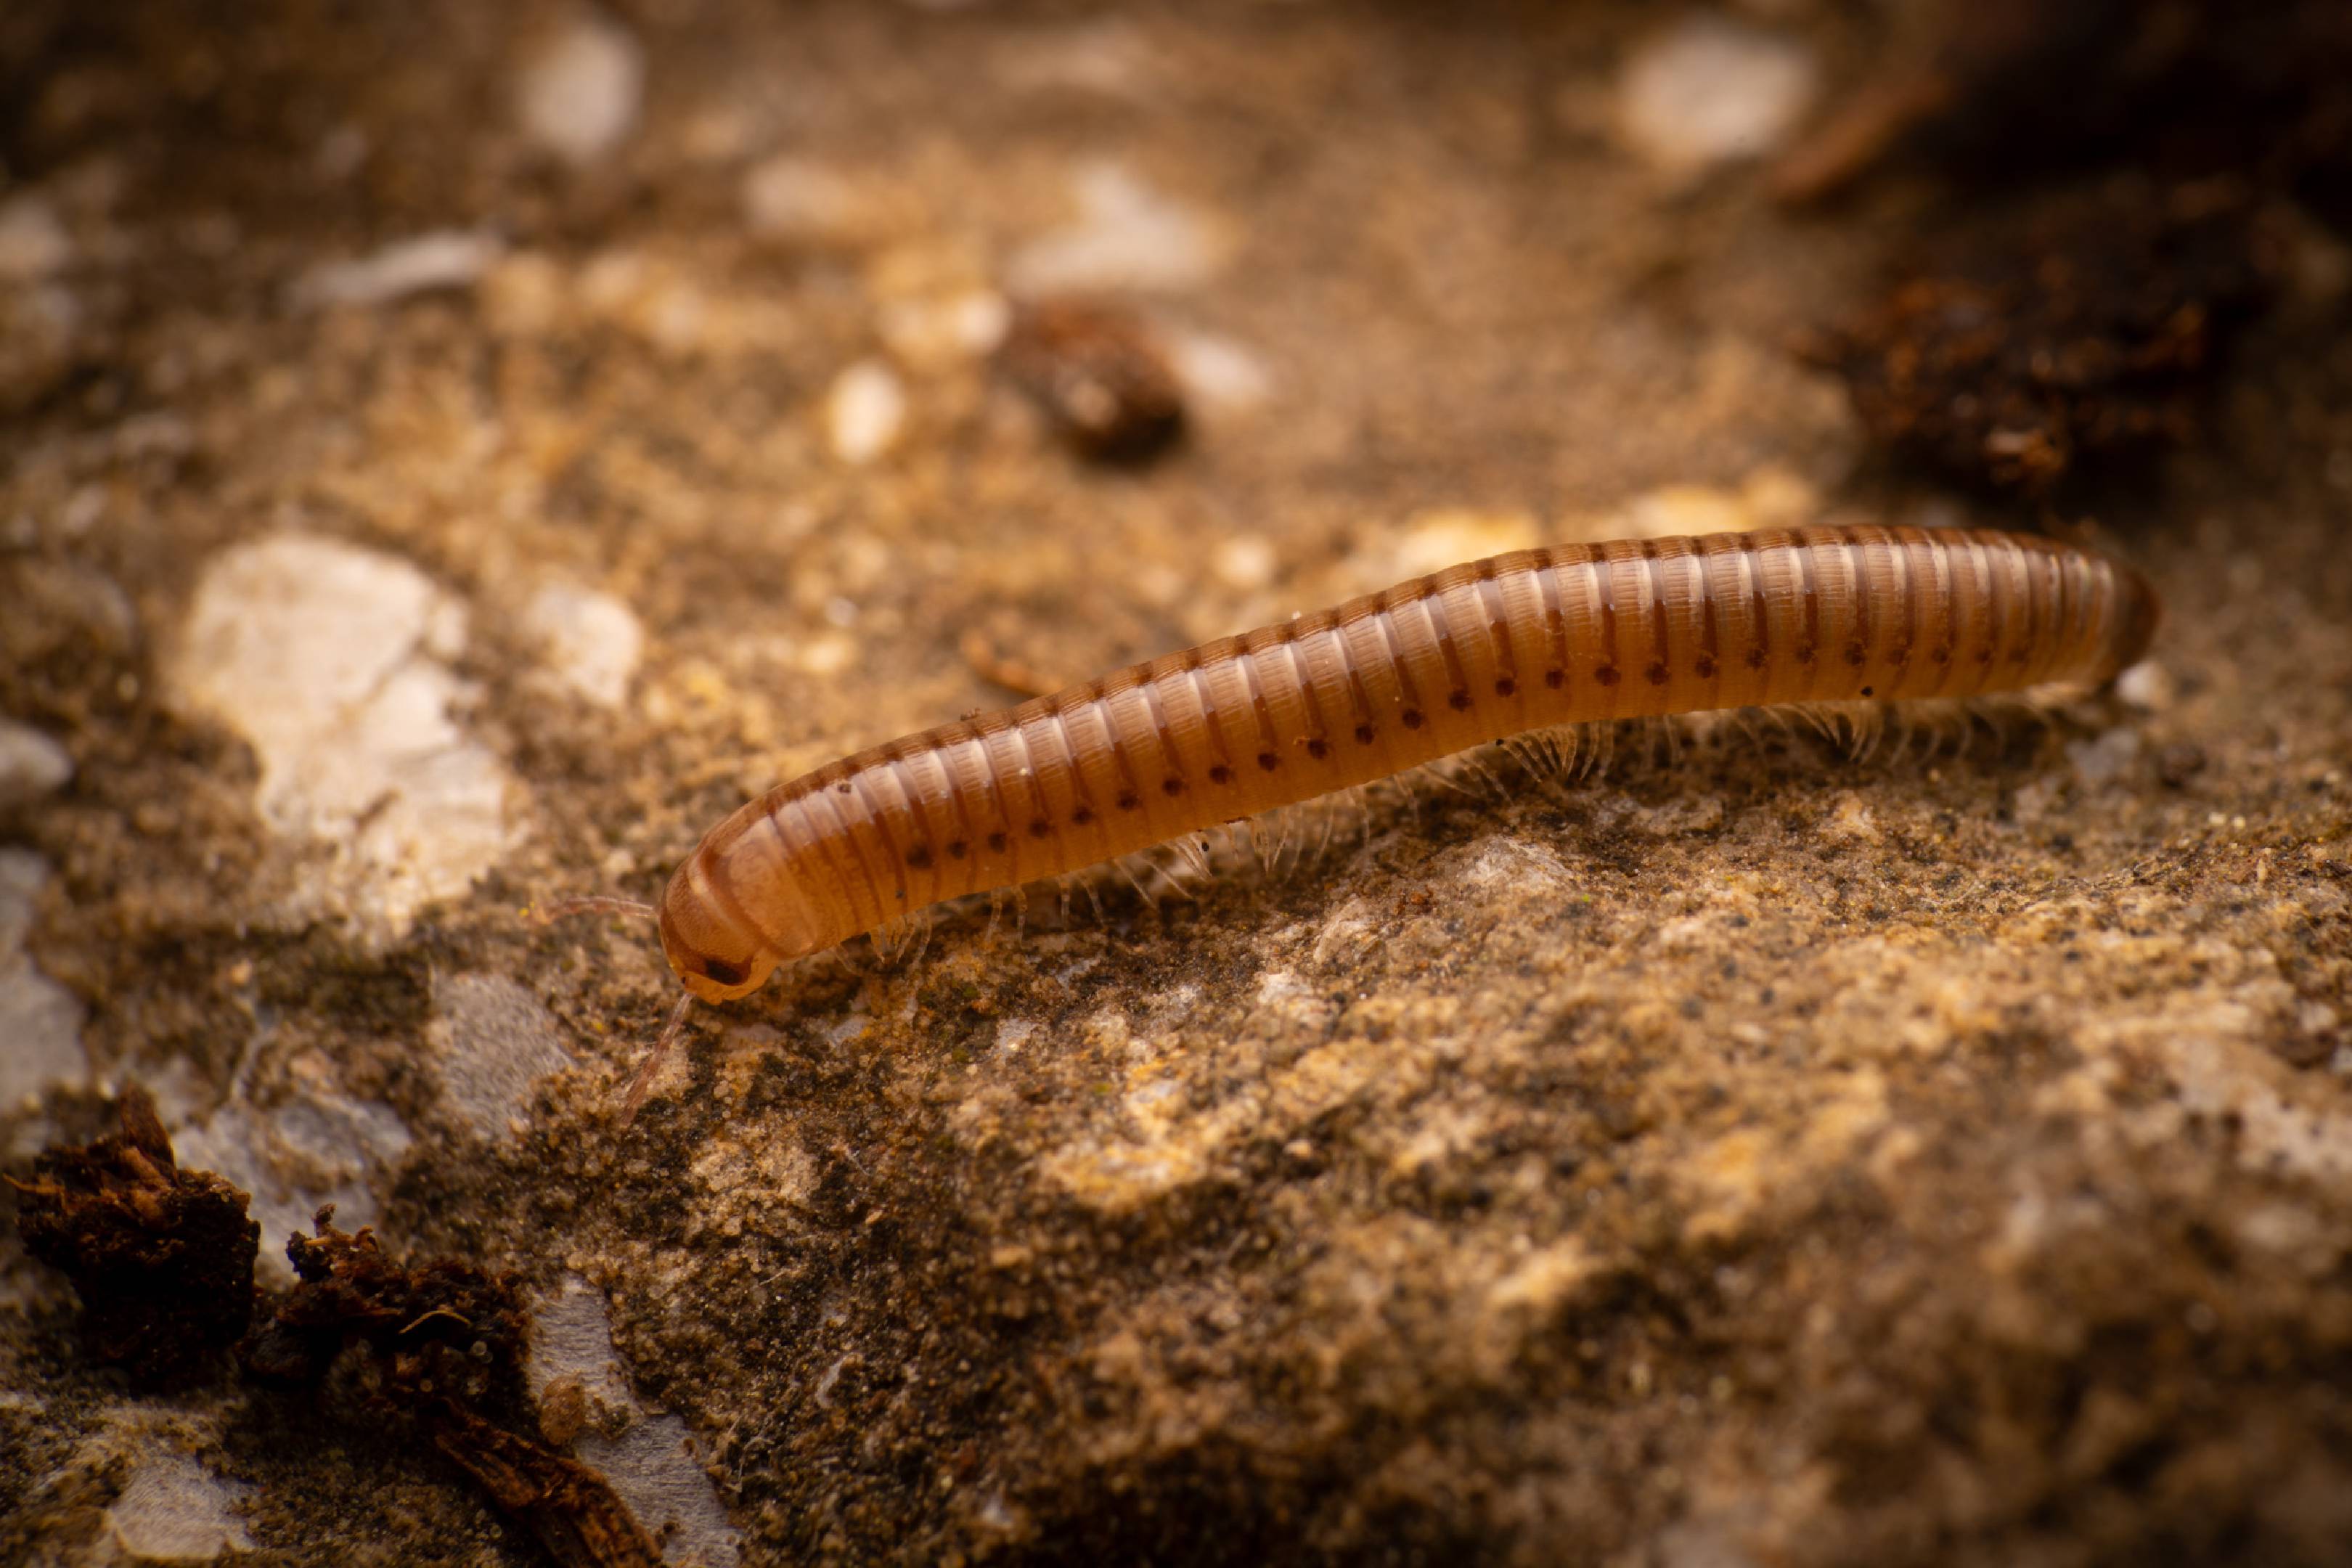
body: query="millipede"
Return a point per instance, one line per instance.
(1531, 641)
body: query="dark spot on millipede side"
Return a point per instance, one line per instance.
(1171, 786)
(1505, 687)
(1657, 674)
(1940, 655)
(1856, 653)
(1221, 774)
(1984, 655)
(1318, 749)
(957, 848)
(1363, 734)
(1755, 659)
(919, 857)
(1555, 679)
(1082, 814)
(1129, 801)
(1704, 666)
(843, 786)
(1870, 691)
(1040, 828)
(1410, 718)
(997, 842)
(724, 972)
(1458, 701)
(1804, 653)
(1606, 675)
(1268, 760)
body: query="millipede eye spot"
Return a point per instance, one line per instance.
(721, 970)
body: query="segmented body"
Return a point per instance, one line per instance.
(1575, 633)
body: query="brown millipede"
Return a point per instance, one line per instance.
(1526, 641)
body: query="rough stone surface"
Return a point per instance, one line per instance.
(1749, 1154)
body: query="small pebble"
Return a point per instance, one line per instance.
(33, 241)
(865, 412)
(1708, 90)
(592, 642)
(2145, 686)
(452, 258)
(1127, 236)
(31, 763)
(799, 201)
(578, 98)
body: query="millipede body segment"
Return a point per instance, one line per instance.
(1526, 641)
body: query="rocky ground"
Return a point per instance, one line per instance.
(453, 454)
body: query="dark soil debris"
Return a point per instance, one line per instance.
(440, 1344)
(2085, 336)
(1098, 373)
(161, 1257)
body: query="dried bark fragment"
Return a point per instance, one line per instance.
(2085, 334)
(1098, 372)
(161, 1257)
(440, 1346)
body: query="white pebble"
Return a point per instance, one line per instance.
(31, 763)
(2104, 759)
(1245, 562)
(1708, 89)
(1218, 375)
(579, 96)
(800, 201)
(2146, 685)
(1127, 237)
(33, 242)
(173, 1510)
(592, 640)
(865, 411)
(452, 258)
(332, 661)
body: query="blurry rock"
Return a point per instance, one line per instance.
(865, 411)
(161, 1257)
(330, 660)
(591, 641)
(454, 259)
(33, 240)
(579, 95)
(1100, 375)
(1127, 236)
(1709, 90)
(31, 764)
(797, 200)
